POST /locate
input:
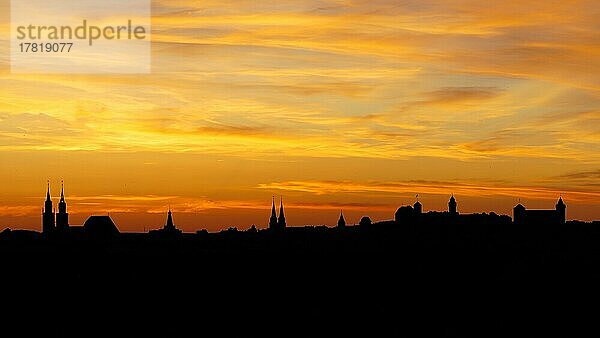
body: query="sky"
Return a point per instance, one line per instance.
(332, 105)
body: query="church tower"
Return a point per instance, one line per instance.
(48, 214)
(62, 217)
(452, 205)
(418, 207)
(281, 220)
(561, 208)
(273, 219)
(341, 221)
(169, 225)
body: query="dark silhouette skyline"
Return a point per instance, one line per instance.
(353, 105)
(58, 221)
(57, 217)
(401, 277)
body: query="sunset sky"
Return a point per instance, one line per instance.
(349, 104)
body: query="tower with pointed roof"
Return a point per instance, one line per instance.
(418, 207)
(452, 205)
(62, 217)
(561, 208)
(281, 219)
(169, 229)
(519, 213)
(273, 219)
(169, 225)
(48, 214)
(341, 222)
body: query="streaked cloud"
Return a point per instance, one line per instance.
(452, 95)
(410, 188)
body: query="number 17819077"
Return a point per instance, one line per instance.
(49, 47)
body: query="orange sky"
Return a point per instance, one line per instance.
(354, 105)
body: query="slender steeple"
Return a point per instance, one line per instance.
(62, 205)
(341, 221)
(169, 229)
(169, 224)
(62, 217)
(281, 220)
(48, 203)
(273, 219)
(48, 214)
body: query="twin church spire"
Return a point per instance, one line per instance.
(277, 222)
(52, 220)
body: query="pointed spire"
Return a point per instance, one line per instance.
(48, 203)
(62, 205)
(273, 218)
(341, 221)
(560, 203)
(281, 220)
(169, 219)
(48, 192)
(281, 208)
(48, 213)
(62, 191)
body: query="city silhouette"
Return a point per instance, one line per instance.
(403, 277)
(56, 224)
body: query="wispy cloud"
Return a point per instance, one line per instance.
(453, 95)
(121, 198)
(410, 188)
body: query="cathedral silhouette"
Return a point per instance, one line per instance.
(57, 223)
(277, 223)
(52, 221)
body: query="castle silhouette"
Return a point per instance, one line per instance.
(520, 214)
(523, 216)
